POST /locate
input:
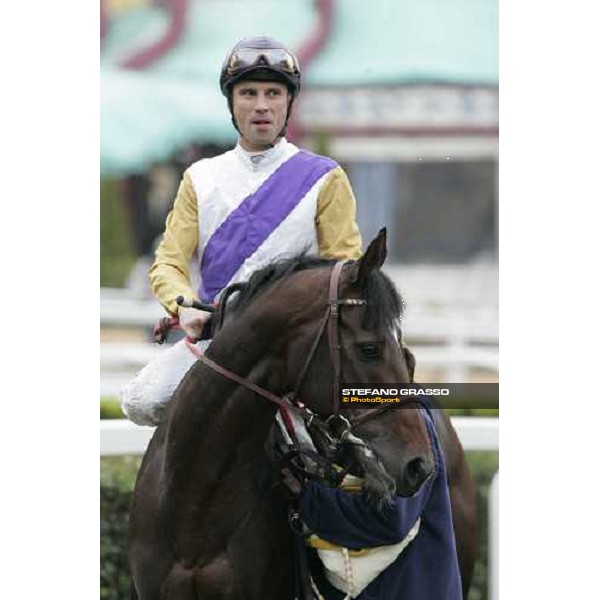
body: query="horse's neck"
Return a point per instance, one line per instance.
(215, 458)
(214, 424)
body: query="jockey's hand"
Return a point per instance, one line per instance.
(192, 321)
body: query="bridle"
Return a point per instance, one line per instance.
(329, 322)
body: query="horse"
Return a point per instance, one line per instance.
(209, 518)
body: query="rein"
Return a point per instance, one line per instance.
(329, 322)
(283, 407)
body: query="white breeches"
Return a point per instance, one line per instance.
(145, 397)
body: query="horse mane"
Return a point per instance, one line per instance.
(385, 305)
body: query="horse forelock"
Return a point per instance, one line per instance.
(385, 306)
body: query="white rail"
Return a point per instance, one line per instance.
(120, 436)
(440, 298)
(135, 355)
(475, 323)
(120, 361)
(451, 321)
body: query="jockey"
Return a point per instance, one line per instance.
(264, 200)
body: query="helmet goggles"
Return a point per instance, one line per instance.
(277, 58)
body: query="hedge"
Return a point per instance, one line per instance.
(116, 252)
(117, 482)
(117, 479)
(110, 408)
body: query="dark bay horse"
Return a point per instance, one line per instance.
(209, 518)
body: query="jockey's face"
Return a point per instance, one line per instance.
(259, 110)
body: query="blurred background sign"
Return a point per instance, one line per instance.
(387, 68)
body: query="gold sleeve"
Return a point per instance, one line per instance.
(169, 275)
(337, 231)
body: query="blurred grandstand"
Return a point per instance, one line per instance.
(403, 94)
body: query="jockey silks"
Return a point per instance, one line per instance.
(426, 569)
(241, 210)
(268, 216)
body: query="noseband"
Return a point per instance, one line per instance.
(330, 321)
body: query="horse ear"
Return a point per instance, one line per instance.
(373, 258)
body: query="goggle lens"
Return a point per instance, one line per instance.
(250, 57)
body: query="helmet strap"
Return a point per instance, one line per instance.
(230, 106)
(287, 117)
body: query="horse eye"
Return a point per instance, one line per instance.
(369, 352)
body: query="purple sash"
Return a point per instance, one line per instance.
(258, 215)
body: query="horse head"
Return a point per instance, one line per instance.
(312, 353)
(375, 354)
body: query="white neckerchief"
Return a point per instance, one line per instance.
(256, 161)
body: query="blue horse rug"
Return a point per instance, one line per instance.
(426, 567)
